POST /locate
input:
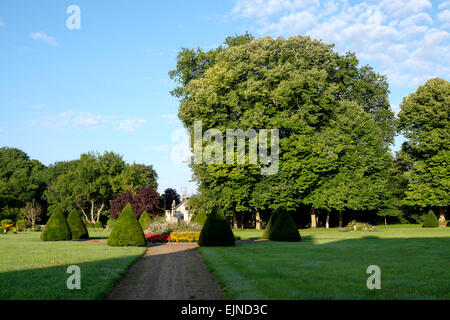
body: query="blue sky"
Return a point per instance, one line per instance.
(106, 86)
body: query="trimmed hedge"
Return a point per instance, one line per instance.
(272, 220)
(200, 217)
(216, 231)
(127, 231)
(430, 220)
(284, 229)
(145, 220)
(77, 226)
(57, 228)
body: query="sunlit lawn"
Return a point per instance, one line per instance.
(33, 269)
(329, 264)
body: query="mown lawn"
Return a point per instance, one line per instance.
(33, 269)
(329, 264)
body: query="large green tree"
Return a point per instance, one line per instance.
(424, 120)
(295, 85)
(21, 179)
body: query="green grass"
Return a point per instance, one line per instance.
(329, 264)
(33, 269)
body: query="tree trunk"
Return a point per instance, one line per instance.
(327, 223)
(442, 217)
(340, 219)
(313, 219)
(235, 223)
(385, 222)
(92, 211)
(99, 212)
(84, 213)
(258, 221)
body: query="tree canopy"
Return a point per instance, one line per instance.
(311, 94)
(424, 120)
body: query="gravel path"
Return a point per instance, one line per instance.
(171, 271)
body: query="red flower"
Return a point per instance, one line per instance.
(157, 237)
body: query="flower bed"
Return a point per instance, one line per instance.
(157, 237)
(184, 236)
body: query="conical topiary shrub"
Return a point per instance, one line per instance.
(216, 231)
(57, 228)
(284, 229)
(430, 220)
(77, 226)
(127, 231)
(272, 220)
(145, 220)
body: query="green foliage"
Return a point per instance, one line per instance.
(94, 180)
(424, 119)
(21, 224)
(56, 228)
(20, 178)
(216, 231)
(200, 217)
(6, 222)
(270, 224)
(127, 231)
(111, 222)
(284, 229)
(430, 220)
(77, 226)
(145, 220)
(330, 114)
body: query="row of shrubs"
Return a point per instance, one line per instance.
(58, 228)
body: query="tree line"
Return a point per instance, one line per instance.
(336, 129)
(89, 184)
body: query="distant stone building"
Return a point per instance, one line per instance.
(179, 212)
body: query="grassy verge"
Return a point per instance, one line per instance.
(33, 269)
(332, 265)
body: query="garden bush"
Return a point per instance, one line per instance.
(57, 228)
(216, 231)
(77, 226)
(200, 217)
(145, 220)
(127, 231)
(430, 220)
(21, 224)
(284, 229)
(6, 222)
(110, 224)
(272, 220)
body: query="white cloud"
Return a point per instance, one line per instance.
(172, 118)
(130, 124)
(87, 120)
(42, 36)
(404, 8)
(444, 18)
(445, 4)
(297, 22)
(404, 38)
